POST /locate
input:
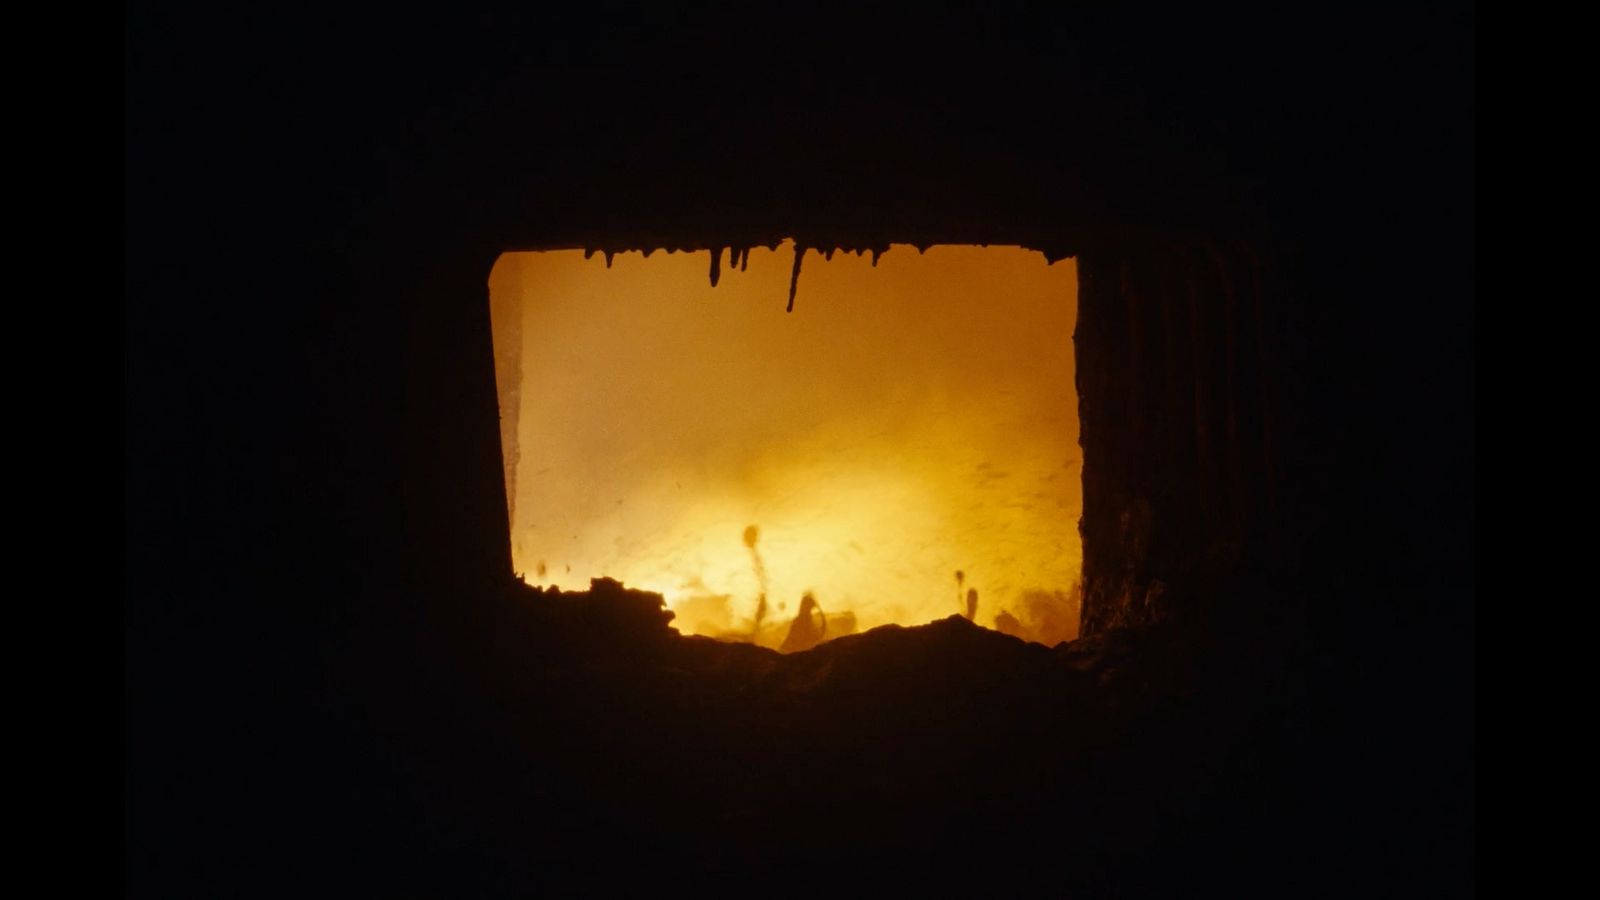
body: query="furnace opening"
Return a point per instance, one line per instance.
(900, 448)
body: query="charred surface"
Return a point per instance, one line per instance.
(901, 758)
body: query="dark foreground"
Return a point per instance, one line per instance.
(576, 744)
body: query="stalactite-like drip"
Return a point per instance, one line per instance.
(744, 258)
(716, 265)
(794, 274)
(609, 256)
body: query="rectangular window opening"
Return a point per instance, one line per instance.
(900, 448)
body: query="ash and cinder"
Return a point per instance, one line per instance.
(893, 760)
(902, 448)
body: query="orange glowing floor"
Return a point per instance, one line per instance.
(906, 422)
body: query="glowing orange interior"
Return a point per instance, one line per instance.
(909, 421)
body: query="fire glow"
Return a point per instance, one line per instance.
(907, 436)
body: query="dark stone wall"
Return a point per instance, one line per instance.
(1186, 363)
(314, 506)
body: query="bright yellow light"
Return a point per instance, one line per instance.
(905, 422)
